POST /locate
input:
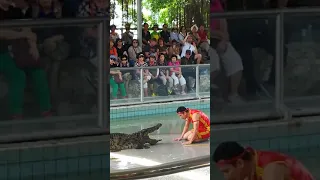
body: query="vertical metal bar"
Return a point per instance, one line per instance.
(103, 75)
(141, 85)
(279, 63)
(139, 19)
(197, 81)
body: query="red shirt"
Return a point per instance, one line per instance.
(113, 51)
(215, 6)
(204, 124)
(297, 170)
(203, 36)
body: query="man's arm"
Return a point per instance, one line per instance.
(185, 129)
(195, 120)
(276, 171)
(10, 34)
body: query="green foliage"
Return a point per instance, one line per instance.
(172, 12)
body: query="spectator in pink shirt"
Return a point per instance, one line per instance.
(176, 75)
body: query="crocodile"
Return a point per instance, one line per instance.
(137, 140)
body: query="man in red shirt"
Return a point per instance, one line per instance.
(239, 163)
(200, 122)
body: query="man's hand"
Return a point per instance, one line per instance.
(5, 4)
(177, 139)
(29, 35)
(187, 143)
(222, 46)
(33, 50)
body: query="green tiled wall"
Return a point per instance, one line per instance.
(136, 111)
(54, 160)
(279, 137)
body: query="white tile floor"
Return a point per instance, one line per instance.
(166, 151)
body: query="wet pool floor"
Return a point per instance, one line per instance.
(166, 151)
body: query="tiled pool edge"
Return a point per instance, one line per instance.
(126, 112)
(54, 160)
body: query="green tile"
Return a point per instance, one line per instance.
(73, 150)
(13, 171)
(38, 168)
(73, 165)
(48, 153)
(26, 169)
(62, 166)
(12, 156)
(61, 152)
(29, 154)
(50, 167)
(3, 172)
(84, 150)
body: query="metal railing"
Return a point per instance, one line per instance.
(196, 70)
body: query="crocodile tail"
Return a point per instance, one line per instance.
(149, 130)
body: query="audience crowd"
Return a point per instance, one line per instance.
(165, 48)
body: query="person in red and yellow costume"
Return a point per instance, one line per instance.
(239, 163)
(200, 122)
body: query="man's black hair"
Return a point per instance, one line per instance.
(228, 150)
(124, 56)
(181, 109)
(174, 56)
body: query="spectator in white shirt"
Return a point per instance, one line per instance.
(189, 44)
(174, 35)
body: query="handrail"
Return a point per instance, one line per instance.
(156, 67)
(262, 13)
(162, 170)
(51, 22)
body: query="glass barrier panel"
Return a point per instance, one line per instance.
(52, 78)
(242, 80)
(302, 63)
(159, 84)
(127, 90)
(204, 80)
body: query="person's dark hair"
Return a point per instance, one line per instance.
(124, 57)
(181, 28)
(136, 41)
(162, 54)
(145, 24)
(228, 150)
(174, 56)
(113, 26)
(140, 54)
(117, 40)
(182, 109)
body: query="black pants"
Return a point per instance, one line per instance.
(243, 34)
